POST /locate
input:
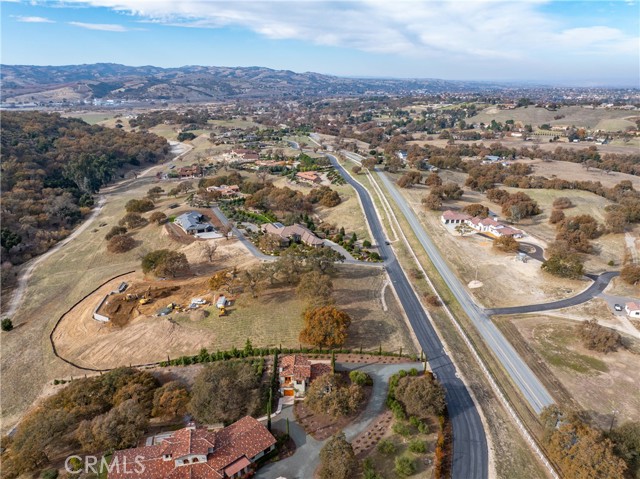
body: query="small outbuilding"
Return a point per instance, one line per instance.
(633, 309)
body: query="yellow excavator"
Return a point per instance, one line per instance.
(146, 299)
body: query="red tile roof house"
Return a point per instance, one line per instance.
(309, 177)
(294, 233)
(453, 217)
(226, 190)
(295, 373)
(189, 171)
(633, 309)
(243, 155)
(197, 453)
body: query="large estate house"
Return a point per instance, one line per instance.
(296, 233)
(197, 453)
(482, 225)
(193, 222)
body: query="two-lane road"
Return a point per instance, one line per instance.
(524, 379)
(470, 455)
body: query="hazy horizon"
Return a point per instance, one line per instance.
(555, 43)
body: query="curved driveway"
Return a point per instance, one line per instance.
(470, 455)
(597, 287)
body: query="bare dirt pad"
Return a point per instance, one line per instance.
(599, 383)
(125, 307)
(272, 319)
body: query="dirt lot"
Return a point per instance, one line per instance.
(141, 337)
(494, 269)
(599, 383)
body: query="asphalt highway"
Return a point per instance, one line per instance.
(470, 455)
(521, 375)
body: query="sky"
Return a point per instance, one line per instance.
(586, 43)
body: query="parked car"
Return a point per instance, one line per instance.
(617, 307)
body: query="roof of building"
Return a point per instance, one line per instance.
(190, 220)
(319, 369)
(489, 222)
(230, 449)
(296, 366)
(308, 175)
(633, 306)
(455, 216)
(286, 232)
(225, 189)
(509, 231)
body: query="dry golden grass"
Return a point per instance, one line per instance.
(599, 382)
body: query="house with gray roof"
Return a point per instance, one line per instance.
(193, 223)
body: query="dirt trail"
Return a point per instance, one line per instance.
(18, 294)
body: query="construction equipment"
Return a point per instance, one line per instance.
(130, 297)
(145, 301)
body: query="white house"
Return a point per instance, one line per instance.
(633, 309)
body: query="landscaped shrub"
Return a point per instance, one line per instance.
(401, 429)
(418, 446)
(404, 466)
(360, 378)
(385, 446)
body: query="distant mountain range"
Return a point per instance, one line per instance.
(110, 81)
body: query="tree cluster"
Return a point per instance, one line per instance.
(325, 327)
(515, 206)
(579, 450)
(330, 394)
(506, 244)
(96, 414)
(598, 338)
(139, 206)
(420, 396)
(337, 459)
(325, 196)
(50, 168)
(409, 179)
(226, 391)
(630, 273)
(165, 262)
